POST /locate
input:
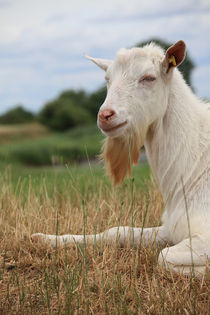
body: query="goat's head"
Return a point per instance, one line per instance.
(138, 83)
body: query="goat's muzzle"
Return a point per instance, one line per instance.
(106, 115)
(107, 120)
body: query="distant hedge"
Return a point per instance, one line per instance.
(17, 115)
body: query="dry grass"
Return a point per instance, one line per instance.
(11, 133)
(35, 279)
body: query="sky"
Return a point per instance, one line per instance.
(42, 42)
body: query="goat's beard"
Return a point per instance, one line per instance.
(121, 153)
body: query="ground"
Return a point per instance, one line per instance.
(37, 279)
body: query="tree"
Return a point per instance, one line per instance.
(65, 112)
(186, 67)
(17, 115)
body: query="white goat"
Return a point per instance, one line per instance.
(148, 102)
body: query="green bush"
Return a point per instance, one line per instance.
(32, 154)
(67, 111)
(17, 115)
(72, 108)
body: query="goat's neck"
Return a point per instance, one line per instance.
(173, 146)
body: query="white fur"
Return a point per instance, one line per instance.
(174, 126)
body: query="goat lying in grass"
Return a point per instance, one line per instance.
(148, 103)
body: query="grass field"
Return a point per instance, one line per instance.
(36, 279)
(33, 145)
(70, 198)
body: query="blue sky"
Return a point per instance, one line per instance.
(42, 42)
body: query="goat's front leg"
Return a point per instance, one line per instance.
(122, 235)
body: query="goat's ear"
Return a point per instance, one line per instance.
(102, 63)
(174, 56)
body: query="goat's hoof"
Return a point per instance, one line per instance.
(43, 239)
(37, 237)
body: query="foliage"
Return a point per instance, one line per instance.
(74, 145)
(72, 108)
(186, 67)
(17, 115)
(67, 111)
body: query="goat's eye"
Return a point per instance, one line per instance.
(147, 78)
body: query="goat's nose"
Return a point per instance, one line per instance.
(106, 115)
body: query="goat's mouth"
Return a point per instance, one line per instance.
(107, 130)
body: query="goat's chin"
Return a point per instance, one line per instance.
(116, 131)
(114, 134)
(120, 152)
